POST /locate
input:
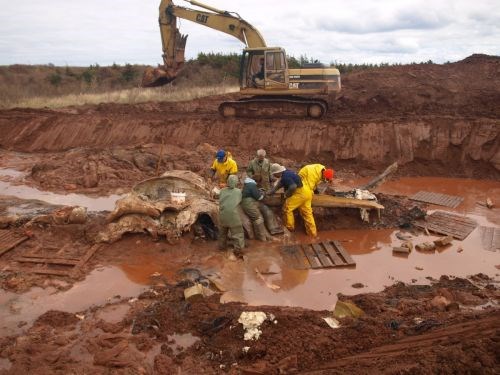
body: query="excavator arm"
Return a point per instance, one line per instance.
(174, 43)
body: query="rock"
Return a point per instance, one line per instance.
(426, 246)
(70, 186)
(78, 215)
(443, 241)
(90, 175)
(440, 303)
(489, 203)
(197, 290)
(357, 285)
(6, 221)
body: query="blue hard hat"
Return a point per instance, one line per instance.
(220, 155)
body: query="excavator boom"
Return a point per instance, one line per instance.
(174, 43)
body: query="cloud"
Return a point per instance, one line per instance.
(382, 21)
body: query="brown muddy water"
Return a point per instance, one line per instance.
(262, 278)
(11, 185)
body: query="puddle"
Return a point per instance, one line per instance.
(96, 289)
(181, 341)
(113, 313)
(12, 187)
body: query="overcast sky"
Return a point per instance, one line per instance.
(83, 32)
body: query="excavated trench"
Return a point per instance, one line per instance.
(91, 156)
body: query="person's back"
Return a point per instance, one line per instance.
(311, 175)
(230, 221)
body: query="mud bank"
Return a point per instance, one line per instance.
(463, 144)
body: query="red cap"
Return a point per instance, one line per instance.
(328, 174)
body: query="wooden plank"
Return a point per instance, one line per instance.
(333, 254)
(320, 252)
(35, 255)
(60, 261)
(311, 256)
(43, 271)
(9, 240)
(87, 256)
(325, 200)
(437, 199)
(490, 238)
(344, 253)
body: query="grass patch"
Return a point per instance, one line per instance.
(126, 96)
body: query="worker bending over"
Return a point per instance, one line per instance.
(229, 199)
(259, 169)
(250, 204)
(312, 174)
(298, 195)
(223, 166)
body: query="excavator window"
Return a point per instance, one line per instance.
(275, 67)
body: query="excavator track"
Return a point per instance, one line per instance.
(274, 107)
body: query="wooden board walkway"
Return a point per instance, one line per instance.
(437, 198)
(324, 254)
(457, 226)
(9, 239)
(55, 265)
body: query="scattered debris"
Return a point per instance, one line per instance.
(403, 237)
(332, 322)
(419, 268)
(358, 285)
(345, 308)
(197, 290)
(268, 284)
(251, 321)
(443, 241)
(401, 250)
(380, 179)
(426, 246)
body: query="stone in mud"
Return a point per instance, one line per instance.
(6, 221)
(440, 303)
(401, 250)
(426, 246)
(443, 241)
(78, 215)
(90, 175)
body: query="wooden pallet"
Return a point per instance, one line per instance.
(457, 226)
(324, 254)
(55, 265)
(9, 240)
(437, 198)
(490, 238)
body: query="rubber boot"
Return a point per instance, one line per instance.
(260, 230)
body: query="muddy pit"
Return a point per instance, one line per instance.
(124, 310)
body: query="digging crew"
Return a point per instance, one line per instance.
(259, 169)
(223, 166)
(229, 199)
(312, 174)
(250, 204)
(298, 195)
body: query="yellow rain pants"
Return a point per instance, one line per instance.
(301, 199)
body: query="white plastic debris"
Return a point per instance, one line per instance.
(364, 194)
(132, 300)
(80, 316)
(251, 321)
(245, 349)
(332, 322)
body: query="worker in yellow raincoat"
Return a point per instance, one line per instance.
(312, 174)
(298, 195)
(223, 166)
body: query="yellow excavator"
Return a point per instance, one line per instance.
(269, 87)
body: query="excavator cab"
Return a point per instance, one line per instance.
(263, 69)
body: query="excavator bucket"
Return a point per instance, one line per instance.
(173, 64)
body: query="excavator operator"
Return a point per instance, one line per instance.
(258, 78)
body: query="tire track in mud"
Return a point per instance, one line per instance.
(460, 332)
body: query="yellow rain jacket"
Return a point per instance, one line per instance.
(225, 169)
(311, 175)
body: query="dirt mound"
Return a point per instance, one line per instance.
(469, 87)
(55, 319)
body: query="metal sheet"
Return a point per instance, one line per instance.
(437, 198)
(448, 224)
